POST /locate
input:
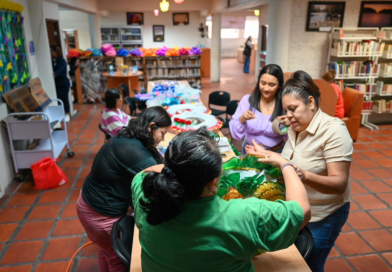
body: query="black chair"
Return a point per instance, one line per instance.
(136, 92)
(132, 104)
(122, 238)
(107, 135)
(230, 110)
(218, 98)
(125, 91)
(304, 242)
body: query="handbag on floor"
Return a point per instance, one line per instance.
(47, 174)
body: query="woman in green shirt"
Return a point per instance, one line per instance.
(184, 226)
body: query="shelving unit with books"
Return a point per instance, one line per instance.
(360, 57)
(132, 61)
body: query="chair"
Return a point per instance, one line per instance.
(122, 238)
(132, 104)
(328, 97)
(136, 92)
(125, 91)
(304, 242)
(230, 110)
(107, 135)
(287, 76)
(353, 104)
(218, 98)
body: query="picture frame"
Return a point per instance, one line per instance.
(158, 33)
(322, 16)
(181, 18)
(375, 14)
(135, 18)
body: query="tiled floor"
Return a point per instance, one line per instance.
(40, 231)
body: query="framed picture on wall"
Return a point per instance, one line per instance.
(158, 33)
(375, 14)
(181, 18)
(135, 18)
(322, 16)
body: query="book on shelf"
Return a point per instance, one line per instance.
(354, 68)
(367, 89)
(364, 48)
(386, 69)
(367, 106)
(379, 106)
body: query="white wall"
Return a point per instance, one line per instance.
(181, 36)
(70, 19)
(150, 5)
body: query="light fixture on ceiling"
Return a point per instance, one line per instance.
(156, 12)
(257, 12)
(178, 1)
(164, 5)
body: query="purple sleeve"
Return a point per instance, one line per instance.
(237, 129)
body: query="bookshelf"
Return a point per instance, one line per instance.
(362, 59)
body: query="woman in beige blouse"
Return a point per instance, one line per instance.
(320, 149)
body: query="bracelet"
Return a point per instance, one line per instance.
(287, 164)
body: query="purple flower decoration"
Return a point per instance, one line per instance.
(162, 51)
(136, 52)
(195, 51)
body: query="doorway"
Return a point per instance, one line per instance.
(54, 34)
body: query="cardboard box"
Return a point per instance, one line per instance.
(23, 99)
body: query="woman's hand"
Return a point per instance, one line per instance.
(270, 157)
(253, 149)
(248, 115)
(300, 173)
(284, 120)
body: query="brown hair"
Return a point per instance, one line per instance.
(329, 76)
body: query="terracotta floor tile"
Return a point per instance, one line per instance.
(6, 231)
(384, 162)
(357, 189)
(23, 199)
(376, 146)
(35, 230)
(84, 141)
(354, 207)
(22, 252)
(380, 173)
(387, 153)
(85, 172)
(362, 146)
(384, 217)
(333, 253)
(53, 197)
(65, 186)
(369, 133)
(12, 187)
(388, 181)
(71, 172)
(69, 211)
(358, 156)
(77, 156)
(68, 227)
(381, 240)
(4, 198)
(72, 164)
(52, 266)
(62, 248)
(86, 136)
(79, 183)
(386, 197)
(353, 166)
(18, 268)
(45, 212)
(74, 196)
(346, 227)
(366, 164)
(337, 265)
(381, 138)
(90, 264)
(369, 263)
(369, 202)
(361, 221)
(90, 250)
(350, 243)
(360, 175)
(372, 154)
(365, 139)
(12, 214)
(376, 186)
(388, 257)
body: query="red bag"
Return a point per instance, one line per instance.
(47, 174)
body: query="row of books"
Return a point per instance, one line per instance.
(386, 69)
(173, 72)
(367, 106)
(172, 62)
(364, 48)
(382, 106)
(367, 89)
(354, 69)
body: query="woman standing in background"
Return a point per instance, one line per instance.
(247, 52)
(330, 77)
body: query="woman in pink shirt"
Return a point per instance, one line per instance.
(330, 77)
(256, 112)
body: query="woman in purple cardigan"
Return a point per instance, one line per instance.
(256, 112)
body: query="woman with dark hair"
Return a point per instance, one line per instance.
(184, 226)
(321, 149)
(247, 52)
(113, 119)
(256, 112)
(330, 77)
(106, 194)
(61, 79)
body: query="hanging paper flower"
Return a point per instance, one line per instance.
(136, 52)
(195, 51)
(107, 47)
(123, 52)
(1, 88)
(111, 52)
(1, 63)
(9, 5)
(96, 52)
(172, 52)
(86, 53)
(9, 66)
(162, 51)
(150, 52)
(74, 53)
(183, 52)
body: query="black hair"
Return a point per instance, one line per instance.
(191, 162)
(139, 128)
(57, 49)
(301, 84)
(254, 99)
(111, 97)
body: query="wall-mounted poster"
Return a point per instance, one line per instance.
(322, 16)
(180, 18)
(135, 18)
(375, 14)
(158, 33)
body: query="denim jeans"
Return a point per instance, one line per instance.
(246, 64)
(325, 233)
(244, 145)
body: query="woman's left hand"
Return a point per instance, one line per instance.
(301, 173)
(270, 157)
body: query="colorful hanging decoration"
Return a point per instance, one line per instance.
(136, 52)
(257, 12)
(162, 51)
(123, 52)
(13, 63)
(164, 5)
(195, 51)
(178, 1)
(86, 53)
(172, 52)
(156, 12)
(74, 53)
(183, 51)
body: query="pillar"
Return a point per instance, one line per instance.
(279, 33)
(94, 23)
(216, 47)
